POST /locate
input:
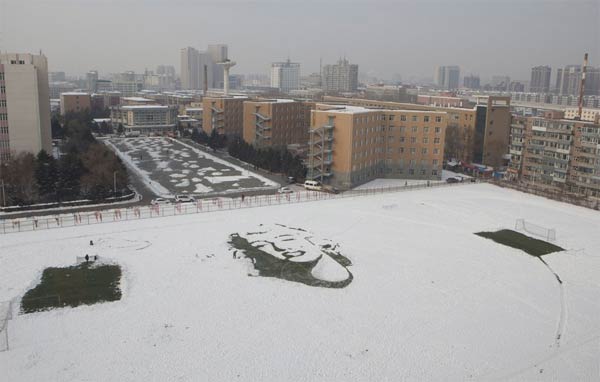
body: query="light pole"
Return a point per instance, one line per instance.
(115, 184)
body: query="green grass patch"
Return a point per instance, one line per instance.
(83, 284)
(534, 247)
(270, 266)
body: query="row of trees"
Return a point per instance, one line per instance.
(86, 169)
(278, 160)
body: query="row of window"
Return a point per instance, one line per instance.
(3, 117)
(3, 129)
(391, 117)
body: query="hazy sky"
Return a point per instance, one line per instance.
(384, 37)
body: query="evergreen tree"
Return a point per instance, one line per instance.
(46, 175)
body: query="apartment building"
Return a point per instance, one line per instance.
(276, 122)
(224, 114)
(285, 76)
(351, 145)
(540, 79)
(145, 119)
(340, 77)
(24, 104)
(478, 134)
(75, 102)
(447, 77)
(589, 115)
(557, 154)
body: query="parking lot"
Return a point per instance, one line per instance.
(170, 167)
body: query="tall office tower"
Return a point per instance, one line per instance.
(447, 77)
(567, 81)
(24, 104)
(166, 70)
(92, 81)
(285, 76)
(540, 79)
(340, 77)
(217, 53)
(190, 71)
(471, 82)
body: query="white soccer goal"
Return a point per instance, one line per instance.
(547, 233)
(5, 315)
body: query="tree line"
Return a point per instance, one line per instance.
(85, 169)
(273, 159)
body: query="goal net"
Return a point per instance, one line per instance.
(5, 315)
(547, 233)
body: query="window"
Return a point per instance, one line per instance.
(425, 140)
(426, 130)
(415, 129)
(391, 117)
(436, 141)
(426, 118)
(402, 139)
(423, 171)
(434, 172)
(438, 130)
(413, 140)
(438, 119)
(401, 150)
(435, 162)
(403, 117)
(402, 129)
(413, 151)
(424, 151)
(414, 118)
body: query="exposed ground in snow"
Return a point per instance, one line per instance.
(170, 167)
(429, 300)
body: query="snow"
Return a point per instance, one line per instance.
(327, 269)
(387, 182)
(429, 299)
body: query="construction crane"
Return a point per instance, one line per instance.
(582, 86)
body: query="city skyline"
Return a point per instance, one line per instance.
(366, 27)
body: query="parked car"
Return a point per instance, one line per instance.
(285, 190)
(291, 179)
(330, 189)
(184, 199)
(159, 201)
(313, 185)
(452, 180)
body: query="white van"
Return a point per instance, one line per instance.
(312, 185)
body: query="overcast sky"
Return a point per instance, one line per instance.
(384, 37)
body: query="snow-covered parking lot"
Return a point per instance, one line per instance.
(429, 300)
(170, 167)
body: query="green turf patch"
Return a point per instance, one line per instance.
(83, 284)
(287, 269)
(534, 247)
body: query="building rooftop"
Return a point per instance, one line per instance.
(132, 107)
(137, 99)
(74, 93)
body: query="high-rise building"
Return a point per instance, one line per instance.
(471, 82)
(92, 81)
(217, 53)
(75, 102)
(285, 76)
(340, 77)
(540, 79)
(24, 104)
(193, 64)
(276, 122)
(166, 70)
(567, 81)
(351, 145)
(447, 77)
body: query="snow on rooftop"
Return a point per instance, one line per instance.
(127, 107)
(137, 99)
(74, 94)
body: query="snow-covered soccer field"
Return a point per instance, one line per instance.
(170, 167)
(429, 299)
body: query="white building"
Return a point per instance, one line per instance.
(24, 104)
(193, 62)
(285, 76)
(145, 119)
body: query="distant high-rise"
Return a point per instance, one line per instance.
(471, 82)
(447, 77)
(193, 62)
(285, 76)
(167, 70)
(568, 78)
(24, 104)
(92, 81)
(340, 77)
(540, 79)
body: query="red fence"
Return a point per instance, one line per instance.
(200, 206)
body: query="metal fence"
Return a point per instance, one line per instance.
(200, 206)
